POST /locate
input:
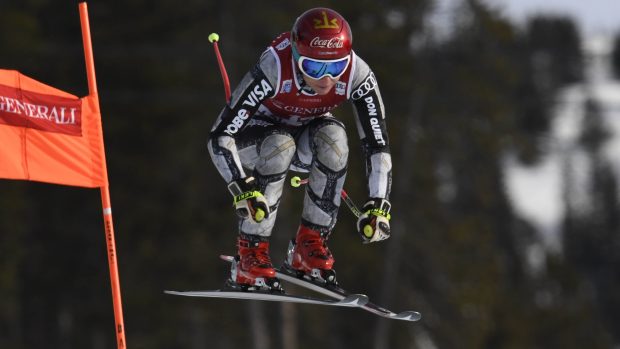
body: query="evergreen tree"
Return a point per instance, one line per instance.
(591, 229)
(555, 46)
(615, 56)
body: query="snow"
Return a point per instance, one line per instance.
(537, 192)
(534, 191)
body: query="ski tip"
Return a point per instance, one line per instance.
(227, 258)
(409, 315)
(172, 292)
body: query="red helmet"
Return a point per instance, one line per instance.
(322, 33)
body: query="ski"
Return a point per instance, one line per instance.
(353, 300)
(340, 294)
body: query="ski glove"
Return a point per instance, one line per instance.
(374, 222)
(249, 202)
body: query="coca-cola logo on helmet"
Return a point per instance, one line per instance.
(327, 43)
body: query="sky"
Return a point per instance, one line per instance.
(593, 16)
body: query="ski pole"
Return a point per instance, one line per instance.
(214, 38)
(296, 182)
(259, 215)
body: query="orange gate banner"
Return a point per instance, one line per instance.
(49, 135)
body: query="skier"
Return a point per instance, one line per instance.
(279, 118)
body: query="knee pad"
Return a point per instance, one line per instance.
(275, 154)
(330, 146)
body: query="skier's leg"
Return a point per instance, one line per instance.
(269, 155)
(326, 141)
(274, 154)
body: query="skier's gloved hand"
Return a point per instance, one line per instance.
(374, 222)
(249, 202)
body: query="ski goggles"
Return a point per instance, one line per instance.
(318, 68)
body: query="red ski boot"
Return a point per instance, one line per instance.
(309, 257)
(253, 270)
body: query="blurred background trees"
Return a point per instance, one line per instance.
(464, 89)
(615, 57)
